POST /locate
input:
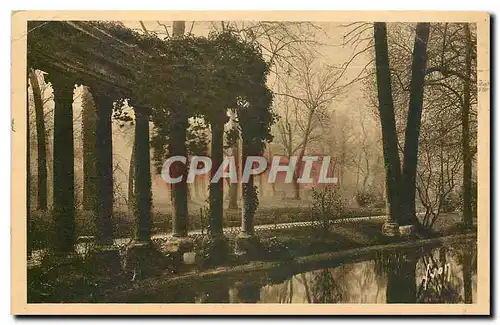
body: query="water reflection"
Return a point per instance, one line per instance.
(439, 275)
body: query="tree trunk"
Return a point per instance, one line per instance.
(387, 119)
(296, 174)
(412, 134)
(466, 151)
(273, 184)
(64, 187)
(41, 145)
(131, 178)
(142, 177)
(89, 118)
(261, 185)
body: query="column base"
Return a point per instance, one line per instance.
(142, 260)
(179, 245)
(390, 229)
(409, 231)
(215, 250)
(247, 246)
(105, 260)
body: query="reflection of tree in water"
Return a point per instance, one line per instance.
(469, 267)
(436, 286)
(467, 257)
(214, 292)
(447, 275)
(390, 276)
(401, 281)
(244, 292)
(325, 289)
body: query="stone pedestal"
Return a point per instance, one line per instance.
(142, 260)
(409, 231)
(179, 245)
(247, 246)
(215, 250)
(390, 229)
(105, 260)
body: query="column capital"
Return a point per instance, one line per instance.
(139, 110)
(60, 82)
(101, 90)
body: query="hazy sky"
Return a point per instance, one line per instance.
(334, 52)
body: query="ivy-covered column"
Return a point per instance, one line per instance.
(139, 253)
(143, 196)
(217, 244)
(63, 184)
(247, 242)
(107, 257)
(104, 167)
(217, 188)
(179, 242)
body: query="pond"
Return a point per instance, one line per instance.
(445, 274)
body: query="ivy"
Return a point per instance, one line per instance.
(199, 77)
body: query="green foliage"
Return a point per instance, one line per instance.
(327, 206)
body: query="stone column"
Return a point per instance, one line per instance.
(64, 200)
(179, 242)
(139, 253)
(247, 242)
(143, 197)
(107, 257)
(217, 242)
(216, 189)
(104, 166)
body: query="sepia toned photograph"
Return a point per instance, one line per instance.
(250, 163)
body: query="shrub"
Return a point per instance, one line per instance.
(327, 205)
(366, 198)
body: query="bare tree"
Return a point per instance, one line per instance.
(306, 103)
